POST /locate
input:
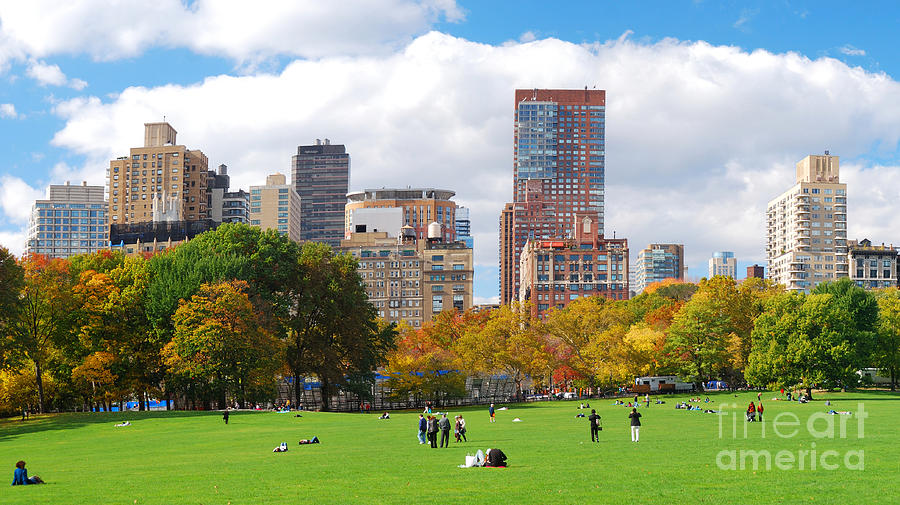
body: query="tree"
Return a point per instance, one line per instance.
(511, 341)
(698, 335)
(807, 340)
(887, 349)
(11, 282)
(421, 368)
(219, 341)
(332, 330)
(43, 322)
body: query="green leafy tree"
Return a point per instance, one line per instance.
(11, 283)
(332, 329)
(887, 349)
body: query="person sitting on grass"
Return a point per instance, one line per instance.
(313, 440)
(751, 412)
(20, 476)
(385, 416)
(495, 458)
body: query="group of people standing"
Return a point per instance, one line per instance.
(430, 425)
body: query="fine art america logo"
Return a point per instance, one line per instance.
(823, 427)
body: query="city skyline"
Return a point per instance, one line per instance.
(696, 149)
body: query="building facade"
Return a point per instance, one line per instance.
(159, 181)
(872, 266)
(421, 207)
(507, 253)
(236, 207)
(757, 271)
(658, 262)
(806, 227)
(559, 150)
(153, 237)
(71, 220)
(556, 272)
(723, 263)
(276, 206)
(411, 280)
(321, 176)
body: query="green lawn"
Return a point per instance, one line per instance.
(181, 457)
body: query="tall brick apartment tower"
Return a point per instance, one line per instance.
(559, 156)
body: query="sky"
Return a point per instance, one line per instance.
(709, 104)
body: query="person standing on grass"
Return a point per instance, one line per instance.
(462, 428)
(759, 396)
(635, 417)
(759, 411)
(491, 412)
(647, 399)
(432, 431)
(595, 426)
(445, 431)
(423, 426)
(225, 415)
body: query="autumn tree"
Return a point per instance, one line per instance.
(218, 341)
(887, 347)
(42, 325)
(420, 368)
(11, 282)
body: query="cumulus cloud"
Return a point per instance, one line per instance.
(699, 137)
(16, 199)
(8, 110)
(231, 28)
(51, 75)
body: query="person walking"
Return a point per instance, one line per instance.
(647, 399)
(225, 415)
(759, 396)
(759, 411)
(445, 431)
(462, 428)
(595, 426)
(635, 417)
(456, 429)
(491, 412)
(432, 431)
(423, 425)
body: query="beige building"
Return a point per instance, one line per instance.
(411, 280)
(421, 207)
(722, 263)
(276, 206)
(806, 227)
(161, 181)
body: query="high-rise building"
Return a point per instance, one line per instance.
(464, 227)
(507, 253)
(723, 263)
(872, 266)
(276, 206)
(420, 206)
(236, 207)
(410, 279)
(559, 152)
(217, 183)
(71, 220)
(321, 175)
(555, 272)
(658, 262)
(756, 271)
(806, 227)
(161, 181)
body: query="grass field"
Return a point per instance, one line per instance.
(188, 457)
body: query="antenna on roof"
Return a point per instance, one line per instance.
(164, 118)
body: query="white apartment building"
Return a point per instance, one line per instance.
(806, 227)
(72, 220)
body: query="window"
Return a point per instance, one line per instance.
(437, 303)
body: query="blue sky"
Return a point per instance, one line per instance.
(710, 102)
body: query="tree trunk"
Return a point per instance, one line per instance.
(140, 401)
(809, 392)
(893, 379)
(326, 400)
(40, 386)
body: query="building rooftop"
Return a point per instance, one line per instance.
(401, 194)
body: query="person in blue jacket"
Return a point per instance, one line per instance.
(423, 426)
(20, 476)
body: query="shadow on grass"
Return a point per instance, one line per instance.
(11, 428)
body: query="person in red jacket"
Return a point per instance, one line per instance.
(759, 411)
(751, 412)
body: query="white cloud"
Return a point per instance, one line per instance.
(230, 28)
(851, 51)
(51, 75)
(8, 110)
(17, 198)
(699, 137)
(14, 241)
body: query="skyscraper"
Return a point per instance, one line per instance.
(723, 263)
(464, 227)
(72, 220)
(806, 227)
(161, 181)
(558, 167)
(658, 262)
(321, 177)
